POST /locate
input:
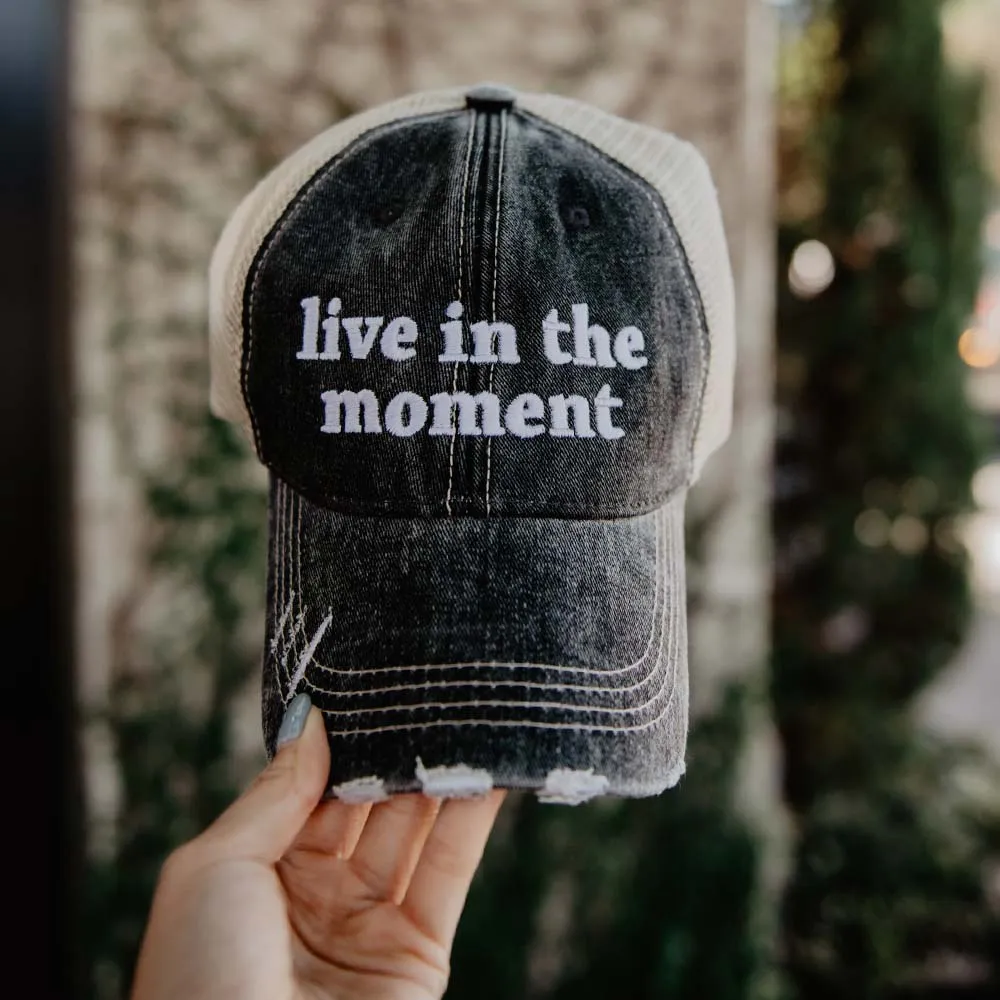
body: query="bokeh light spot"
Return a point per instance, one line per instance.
(919, 494)
(986, 487)
(908, 535)
(993, 229)
(872, 528)
(946, 536)
(979, 348)
(811, 270)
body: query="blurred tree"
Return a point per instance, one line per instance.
(882, 199)
(174, 744)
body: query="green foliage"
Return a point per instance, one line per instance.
(889, 885)
(170, 721)
(876, 450)
(874, 420)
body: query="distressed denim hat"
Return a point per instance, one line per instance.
(483, 342)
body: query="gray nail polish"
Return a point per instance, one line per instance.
(294, 721)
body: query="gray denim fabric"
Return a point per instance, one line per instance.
(510, 608)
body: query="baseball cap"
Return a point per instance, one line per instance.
(483, 341)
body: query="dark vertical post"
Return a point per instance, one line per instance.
(39, 820)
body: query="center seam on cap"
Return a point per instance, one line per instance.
(458, 298)
(493, 310)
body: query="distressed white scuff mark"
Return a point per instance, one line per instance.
(306, 658)
(676, 774)
(454, 781)
(358, 790)
(566, 786)
(282, 622)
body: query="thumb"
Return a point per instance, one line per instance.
(264, 822)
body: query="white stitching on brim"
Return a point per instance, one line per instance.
(672, 656)
(675, 535)
(558, 706)
(656, 624)
(660, 588)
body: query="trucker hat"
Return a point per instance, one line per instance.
(483, 341)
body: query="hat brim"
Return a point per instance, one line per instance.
(449, 655)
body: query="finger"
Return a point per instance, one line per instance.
(263, 823)
(333, 828)
(440, 883)
(390, 844)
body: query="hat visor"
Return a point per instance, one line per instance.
(449, 655)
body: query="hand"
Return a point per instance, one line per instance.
(284, 897)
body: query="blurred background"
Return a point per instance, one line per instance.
(838, 831)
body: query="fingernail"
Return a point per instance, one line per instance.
(294, 721)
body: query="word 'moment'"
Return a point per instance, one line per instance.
(478, 416)
(481, 415)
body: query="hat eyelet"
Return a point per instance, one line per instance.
(577, 218)
(385, 213)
